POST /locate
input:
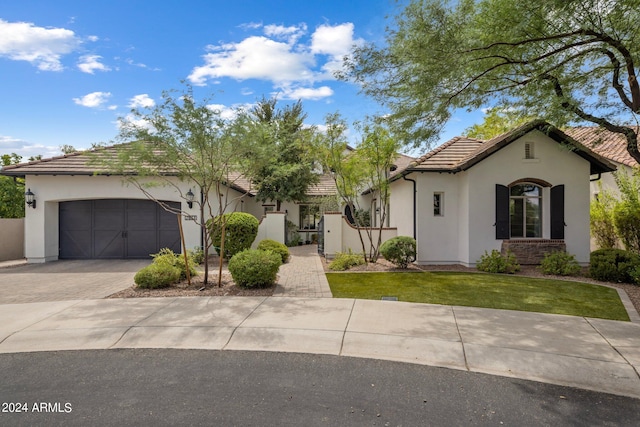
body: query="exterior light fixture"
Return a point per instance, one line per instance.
(30, 198)
(190, 197)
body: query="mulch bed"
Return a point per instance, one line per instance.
(183, 289)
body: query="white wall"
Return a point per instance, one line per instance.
(41, 224)
(340, 236)
(438, 235)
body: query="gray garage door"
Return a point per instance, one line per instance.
(116, 228)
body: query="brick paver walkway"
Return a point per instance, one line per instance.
(303, 275)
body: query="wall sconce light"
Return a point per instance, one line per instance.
(30, 198)
(190, 197)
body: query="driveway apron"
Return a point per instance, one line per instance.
(66, 280)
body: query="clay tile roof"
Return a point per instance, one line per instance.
(610, 145)
(447, 155)
(461, 153)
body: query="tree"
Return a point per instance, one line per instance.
(11, 190)
(185, 139)
(560, 60)
(364, 170)
(283, 152)
(496, 122)
(626, 211)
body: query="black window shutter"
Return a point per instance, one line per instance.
(502, 212)
(557, 212)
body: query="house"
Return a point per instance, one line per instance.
(82, 215)
(526, 190)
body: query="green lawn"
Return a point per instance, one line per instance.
(483, 290)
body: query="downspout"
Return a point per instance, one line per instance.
(415, 191)
(596, 179)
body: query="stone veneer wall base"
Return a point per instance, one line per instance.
(531, 251)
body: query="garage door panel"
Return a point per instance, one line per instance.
(116, 229)
(141, 244)
(108, 244)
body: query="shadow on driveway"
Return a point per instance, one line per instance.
(67, 280)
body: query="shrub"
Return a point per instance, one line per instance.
(157, 275)
(559, 263)
(277, 247)
(241, 230)
(495, 262)
(197, 255)
(603, 228)
(399, 250)
(253, 268)
(626, 211)
(613, 265)
(167, 257)
(345, 260)
(294, 240)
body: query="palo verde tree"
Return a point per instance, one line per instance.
(363, 171)
(183, 140)
(282, 155)
(564, 61)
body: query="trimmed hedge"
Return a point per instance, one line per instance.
(253, 268)
(400, 250)
(277, 247)
(241, 230)
(157, 275)
(614, 265)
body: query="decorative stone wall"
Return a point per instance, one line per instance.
(531, 252)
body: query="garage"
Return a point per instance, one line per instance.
(116, 229)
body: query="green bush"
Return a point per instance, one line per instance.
(560, 263)
(253, 268)
(399, 250)
(167, 257)
(277, 247)
(601, 217)
(157, 275)
(495, 262)
(614, 265)
(197, 255)
(241, 230)
(345, 260)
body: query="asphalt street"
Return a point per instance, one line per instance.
(235, 388)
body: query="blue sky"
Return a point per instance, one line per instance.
(69, 69)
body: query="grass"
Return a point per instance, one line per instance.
(484, 290)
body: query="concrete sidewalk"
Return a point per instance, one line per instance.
(593, 354)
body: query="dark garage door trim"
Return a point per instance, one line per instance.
(116, 229)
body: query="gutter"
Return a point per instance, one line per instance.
(597, 178)
(415, 191)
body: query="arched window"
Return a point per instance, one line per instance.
(525, 210)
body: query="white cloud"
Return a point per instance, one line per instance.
(93, 99)
(281, 56)
(142, 101)
(255, 57)
(229, 112)
(91, 63)
(25, 149)
(133, 121)
(42, 47)
(291, 34)
(307, 93)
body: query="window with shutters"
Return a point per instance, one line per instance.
(525, 211)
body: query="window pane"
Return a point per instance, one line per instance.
(516, 213)
(526, 190)
(533, 216)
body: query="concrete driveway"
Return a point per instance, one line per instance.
(66, 280)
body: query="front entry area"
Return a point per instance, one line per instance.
(116, 229)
